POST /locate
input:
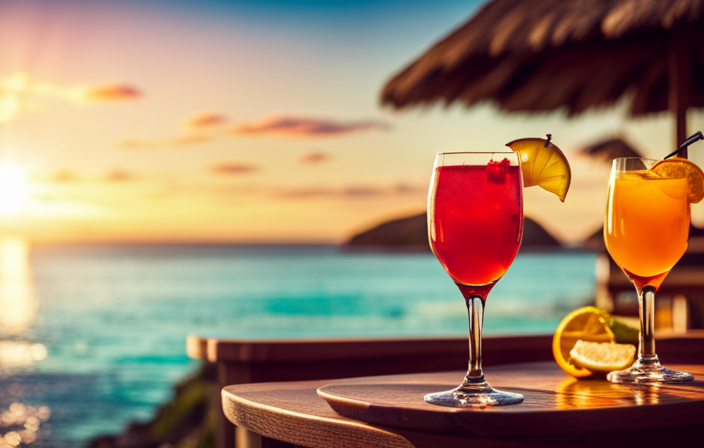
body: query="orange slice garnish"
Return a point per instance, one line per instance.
(677, 168)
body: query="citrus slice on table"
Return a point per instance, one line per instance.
(678, 167)
(585, 324)
(602, 357)
(543, 164)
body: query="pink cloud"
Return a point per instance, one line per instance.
(110, 92)
(305, 127)
(232, 168)
(314, 158)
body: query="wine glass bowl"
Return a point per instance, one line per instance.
(475, 226)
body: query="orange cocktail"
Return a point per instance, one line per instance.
(647, 224)
(645, 230)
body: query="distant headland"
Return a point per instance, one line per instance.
(411, 234)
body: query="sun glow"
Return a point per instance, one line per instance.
(13, 189)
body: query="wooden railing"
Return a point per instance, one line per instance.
(252, 361)
(679, 301)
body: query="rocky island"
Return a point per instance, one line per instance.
(411, 234)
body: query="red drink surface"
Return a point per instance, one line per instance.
(475, 221)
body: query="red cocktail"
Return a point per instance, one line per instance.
(475, 224)
(475, 221)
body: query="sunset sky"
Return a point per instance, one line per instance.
(254, 121)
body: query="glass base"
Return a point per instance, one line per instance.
(471, 396)
(649, 371)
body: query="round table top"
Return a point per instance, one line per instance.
(389, 411)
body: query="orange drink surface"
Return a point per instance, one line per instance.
(647, 224)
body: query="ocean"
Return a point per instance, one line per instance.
(93, 336)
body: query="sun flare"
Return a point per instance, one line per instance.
(13, 188)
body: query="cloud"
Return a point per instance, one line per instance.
(109, 92)
(119, 175)
(133, 143)
(207, 120)
(411, 189)
(187, 140)
(349, 192)
(328, 192)
(305, 127)
(181, 140)
(314, 158)
(21, 94)
(232, 168)
(198, 129)
(64, 176)
(209, 126)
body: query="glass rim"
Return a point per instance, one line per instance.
(475, 152)
(637, 158)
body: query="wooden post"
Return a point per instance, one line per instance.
(679, 76)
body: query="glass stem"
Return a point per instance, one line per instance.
(475, 309)
(646, 309)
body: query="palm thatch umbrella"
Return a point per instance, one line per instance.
(610, 149)
(545, 55)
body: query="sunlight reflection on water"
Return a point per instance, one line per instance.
(20, 423)
(23, 422)
(18, 301)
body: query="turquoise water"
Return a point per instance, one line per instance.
(103, 328)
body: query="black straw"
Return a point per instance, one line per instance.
(693, 138)
(547, 143)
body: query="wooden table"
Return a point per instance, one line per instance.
(241, 361)
(559, 411)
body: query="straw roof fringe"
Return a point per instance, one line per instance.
(547, 54)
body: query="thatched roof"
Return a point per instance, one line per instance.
(546, 54)
(608, 150)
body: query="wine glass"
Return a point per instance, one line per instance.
(475, 226)
(646, 227)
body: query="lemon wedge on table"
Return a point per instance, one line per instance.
(602, 357)
(543, 164)
(678, 167)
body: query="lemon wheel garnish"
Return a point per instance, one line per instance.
(678, 167)
(602, 357)
(543, 164)
(584, 324)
